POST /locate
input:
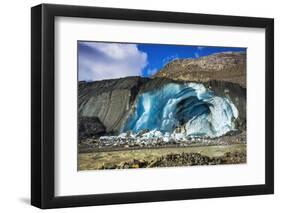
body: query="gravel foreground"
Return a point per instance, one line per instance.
(166, 157)
(183, 159)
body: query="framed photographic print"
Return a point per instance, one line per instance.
(139, 106)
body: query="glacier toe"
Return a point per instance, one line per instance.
(185, 110)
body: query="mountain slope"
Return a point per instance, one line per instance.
(227, 66)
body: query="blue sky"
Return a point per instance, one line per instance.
(100, 60)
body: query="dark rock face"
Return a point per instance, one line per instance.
(108, 100)
(89, 127)
(236, 93)
(228, 66)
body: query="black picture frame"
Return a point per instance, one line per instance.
(43, 102)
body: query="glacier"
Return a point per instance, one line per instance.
(181, 110)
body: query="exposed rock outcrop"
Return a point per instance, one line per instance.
(89, 127)
(236, 93)
(108, 100)
(227, 66)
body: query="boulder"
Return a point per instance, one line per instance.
(90, 127)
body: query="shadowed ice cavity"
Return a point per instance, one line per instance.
(190, 108)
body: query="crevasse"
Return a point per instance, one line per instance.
(190, 109)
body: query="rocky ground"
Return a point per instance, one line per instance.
(163, 157)
(181, 159)
(127, 152)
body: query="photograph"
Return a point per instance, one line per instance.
(160, 105)
(141, 105)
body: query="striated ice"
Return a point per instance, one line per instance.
(190, 105)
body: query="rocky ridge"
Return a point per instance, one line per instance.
(227, 66)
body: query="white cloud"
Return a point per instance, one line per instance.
(98, 61)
